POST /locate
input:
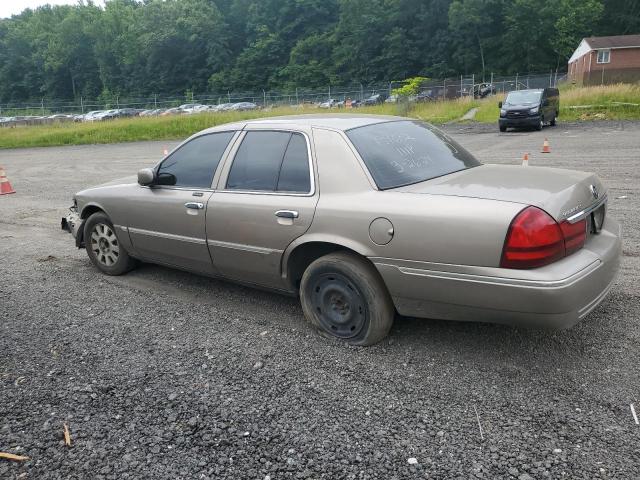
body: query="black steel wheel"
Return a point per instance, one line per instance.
(340, 306)
(344, 296)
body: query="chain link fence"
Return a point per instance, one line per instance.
(430, 90)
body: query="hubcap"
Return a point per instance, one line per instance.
(339, 305)
(104, 244)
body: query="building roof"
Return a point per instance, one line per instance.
(594, 43)
(619, 41)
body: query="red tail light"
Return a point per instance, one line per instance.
(535, 239)
(575, 234)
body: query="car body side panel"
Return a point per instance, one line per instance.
(245, 237)
(435, 228)
(557, 295)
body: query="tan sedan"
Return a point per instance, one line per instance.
(363, 217)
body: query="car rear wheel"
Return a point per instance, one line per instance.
(503, 129)
(343, 296)
(553, 121)
(104, 248)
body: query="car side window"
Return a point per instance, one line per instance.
(271, 161)
(195, 162)
(294, 173)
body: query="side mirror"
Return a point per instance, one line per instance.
(499, 104)
(146, 176)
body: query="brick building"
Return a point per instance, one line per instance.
(606, 60)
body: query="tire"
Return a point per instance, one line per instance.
(503, 129)
(540, 125)
(343, 296)
(103, 247)
(553, 122)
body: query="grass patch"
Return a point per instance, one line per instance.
(609, 102)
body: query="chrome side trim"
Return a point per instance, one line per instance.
(488, 280)
(583, 213)
(169, 236)
(243, 247)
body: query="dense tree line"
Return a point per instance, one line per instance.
(133, 47)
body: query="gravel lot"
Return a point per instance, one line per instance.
(163, 374)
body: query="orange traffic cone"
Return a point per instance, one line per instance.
(545, 146)
(5, 186)
(525, 160)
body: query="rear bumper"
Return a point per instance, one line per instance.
(519, 122)
(555, 296)
(73, 224)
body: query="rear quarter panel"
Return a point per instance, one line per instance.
(427, 228)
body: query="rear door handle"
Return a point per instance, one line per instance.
(194, 205)
(287, 214)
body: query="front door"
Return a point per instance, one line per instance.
(167, 221)
(265, 201)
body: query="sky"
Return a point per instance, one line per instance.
(13, 7)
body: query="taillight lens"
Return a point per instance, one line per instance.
(534, 239)
(575, 234)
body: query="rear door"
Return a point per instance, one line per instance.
(266, 198)
(167, 222)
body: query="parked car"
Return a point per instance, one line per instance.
(483, 90)
(93, 115)
(171, 111)
(425, 96)
(529, 108)
(241, 106)
(362, 217)
(223, 107)
(328, 104)
(376, 99)
(392, 99)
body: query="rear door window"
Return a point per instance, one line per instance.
(271, 162)
(405, 152)
(195, 162)
(294, 173)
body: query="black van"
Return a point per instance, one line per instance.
(529, 108)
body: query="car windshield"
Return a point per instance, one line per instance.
(405, 152)
(522, 97)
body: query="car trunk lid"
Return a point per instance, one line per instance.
(561, 193)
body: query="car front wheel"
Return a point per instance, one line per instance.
(343, 296)
(104, 248)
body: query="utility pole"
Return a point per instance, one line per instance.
(297, 101)
(42, 106)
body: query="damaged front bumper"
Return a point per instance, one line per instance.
(73, 224)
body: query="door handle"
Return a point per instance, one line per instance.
(287, 214)
(194, 205)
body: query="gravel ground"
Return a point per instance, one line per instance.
(164, 374)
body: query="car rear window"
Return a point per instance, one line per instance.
(405, 152)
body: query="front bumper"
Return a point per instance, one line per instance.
(557, 295)
(519, 122)
(73, 224)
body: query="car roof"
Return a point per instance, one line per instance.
(342, 121)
